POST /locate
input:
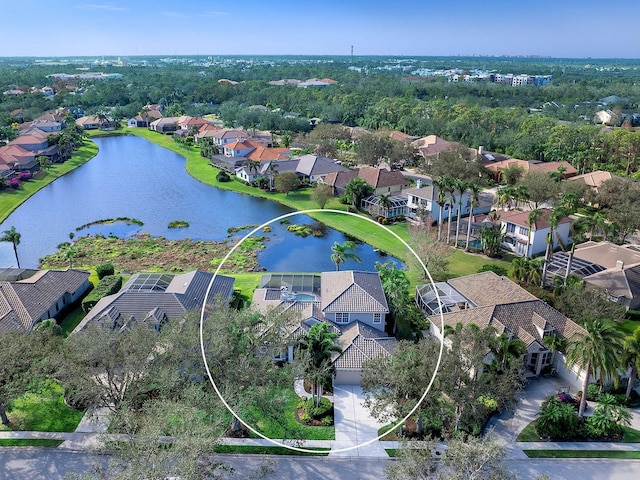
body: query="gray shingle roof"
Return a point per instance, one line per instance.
(25, 301)
(360, 343)
(488, 288)
(352, 291)
(183, 293)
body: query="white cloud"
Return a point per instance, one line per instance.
(103, 6)
(213, 14)
(175, 14)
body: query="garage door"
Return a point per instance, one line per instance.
(348, 377)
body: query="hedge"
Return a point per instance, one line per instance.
(107, 286)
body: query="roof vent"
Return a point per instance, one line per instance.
(620, 265)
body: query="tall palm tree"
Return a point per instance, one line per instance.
(441, 184)
(631, 357)
(557, 214)
(319, 344)
(462, 187)
(596, 351)
(272, 169)
(384, 204)
(474, 193)
(451, 190)
(341, 253)
(253, 166)
(12, 236)
(533, 218)
(578, 229)
(506, 350)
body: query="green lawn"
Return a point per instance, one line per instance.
(617, 454)
(628, 326)
(260, 450)
(71, 321)
(42, 409)
(285, 426)
(29, 442)
(10, 199)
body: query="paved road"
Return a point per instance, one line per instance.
(54, 464)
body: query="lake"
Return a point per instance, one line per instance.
(132, 177)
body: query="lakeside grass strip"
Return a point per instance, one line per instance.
(614, 454)
(12, 199)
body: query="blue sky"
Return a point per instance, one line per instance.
(559, 28)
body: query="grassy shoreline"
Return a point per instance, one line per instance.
(12, 199)
(460, 263)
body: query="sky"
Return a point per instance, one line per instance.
(555, 28)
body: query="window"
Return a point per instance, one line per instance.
(377, 318)
(523, 231)
(342, 317)
(511, 227)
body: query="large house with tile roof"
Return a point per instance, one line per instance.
(614, 268)
(155, 298)
(30, 296)
(487, 299)
(351, 302)
(496, 168)
(524, 243)
(382, 180)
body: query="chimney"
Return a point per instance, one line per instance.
(480, 150)
(619, 265)
(419, 183)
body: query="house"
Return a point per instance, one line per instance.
(48, 126)
(206, 131)
(518, 239)
(19, 159)
(614, 268)
(594, 179)
(30, 296)
(351, 302)
(89, 122)
(144, 119)
(188, 123)
(423, 200)
(606, 117)
(228, 135)
(382, 180)
(155, 298)
(486, 299)
(165, 125)
(496, 168)
(37, 144)
(432, 146)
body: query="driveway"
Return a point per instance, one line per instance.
(353, 424)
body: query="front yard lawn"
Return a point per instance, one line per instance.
(285, 425)
(42, 409)
(29, 442)
(260, 450)
(617, 454)
(529, 434)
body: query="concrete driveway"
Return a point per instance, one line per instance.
(353, 424)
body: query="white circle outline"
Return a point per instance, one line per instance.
(204, 357)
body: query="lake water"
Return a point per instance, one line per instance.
(131, 177)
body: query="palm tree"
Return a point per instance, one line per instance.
(578, 229)
(450, 190)
(533, 218)
(474, 192)
(384, 204)
(557, 214)
(441, 184)
(12, 236)
(461, 186)
(506, 350)
(272, 169)
(319, 344)
(341, 253)
(596, 351)
(253, 166)
(631, 357)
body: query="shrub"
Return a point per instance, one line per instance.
(14, 183)
(313, 412)
(557, 420)
(107, 286)
(104, 269)
(489, 267)
(223, 176)
(24, 176)
(345, 200)
(608, 418)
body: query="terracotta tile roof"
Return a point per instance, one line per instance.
(339, 179)
(433, 145)
(594, 179)
(264, 154)
(381, 178)
(521, 218)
